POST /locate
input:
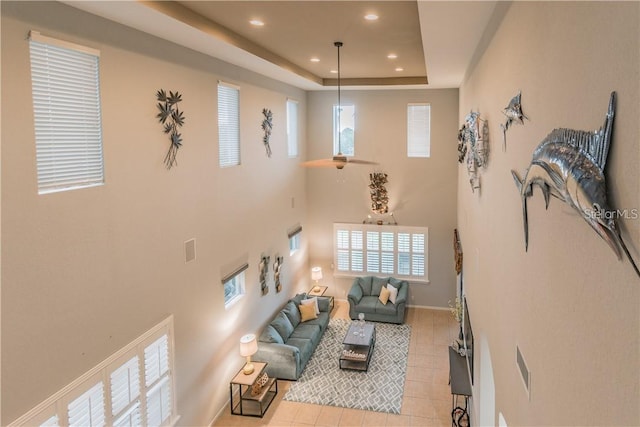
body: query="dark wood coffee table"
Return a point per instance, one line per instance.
(358, 346)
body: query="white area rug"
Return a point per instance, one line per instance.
(380, 389)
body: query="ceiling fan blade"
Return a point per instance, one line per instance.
(362, 162)
(323, 163)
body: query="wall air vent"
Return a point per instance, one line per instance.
(524, 372)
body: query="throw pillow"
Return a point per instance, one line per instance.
(307, 312)
(384, 295)
(282, 324)
(313, 301)
(393, 293)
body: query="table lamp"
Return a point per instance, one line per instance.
(248, 347)
(316, 274)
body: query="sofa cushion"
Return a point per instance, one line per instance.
(365, 285)
(322, 321)
(307, 312)
(292, 312)
(270, 335)
(306, 331)
(393, 293)
(305, 346)
(388, 309)
(368, 304)
(282, 324)
(323, 303)
(377, 283)
(299, 297)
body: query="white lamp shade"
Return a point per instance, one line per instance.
(248, 345)
(316, 273)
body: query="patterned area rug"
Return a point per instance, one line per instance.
(380, 389)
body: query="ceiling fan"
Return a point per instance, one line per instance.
(339, 160)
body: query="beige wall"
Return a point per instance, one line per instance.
(421, 191)
(85, 272)
(568, 303)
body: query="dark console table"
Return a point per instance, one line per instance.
(460, 387)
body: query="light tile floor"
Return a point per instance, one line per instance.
(426, 400)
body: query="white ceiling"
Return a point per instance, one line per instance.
(446, 33)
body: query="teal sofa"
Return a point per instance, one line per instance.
(287, 343)
(364, 298)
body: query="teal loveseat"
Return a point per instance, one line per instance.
(364, 298)
(287, 343)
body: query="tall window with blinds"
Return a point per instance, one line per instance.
(65, 84)
(364, 249)
(228, 124)
(134, 387)
(292, 128)
(419, 130)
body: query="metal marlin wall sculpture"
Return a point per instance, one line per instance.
(569, 164)
(514, 113)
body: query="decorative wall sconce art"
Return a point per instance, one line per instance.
(473, 142)
(277, 265)
(267, 127)
(264, 269)
(379, 196)
(514, 113)
(569, 165)
(172, 119)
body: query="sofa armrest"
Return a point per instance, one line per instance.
(283, 360)
(355, 293)
(403, 293)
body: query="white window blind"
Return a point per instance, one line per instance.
(115, 392)
(388, 250)
(419, 130)
(66, 107)
(228, 124)
(87, 410)
(234, 285)
(292, 128)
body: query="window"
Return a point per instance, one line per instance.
(294, 239)
(419, 130)
(292, 128)
(115, 392)
(228, 124)
(344, 129)
(378, 249)
(234, 286)
(66, 108)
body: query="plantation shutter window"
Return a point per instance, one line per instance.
(87, 410)
(292, 128)
(418, 130)
(125, 393)
(67, 117)
(373, 249)
(228, 124)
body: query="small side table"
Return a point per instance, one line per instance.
(242, 401)
(320, 292)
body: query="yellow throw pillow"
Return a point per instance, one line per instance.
(307, 312)
(384, 295)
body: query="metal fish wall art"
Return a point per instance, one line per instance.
(473, 142)
(514, 113)
(569, 165)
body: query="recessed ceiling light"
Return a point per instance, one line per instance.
(399, 69)
(392, 56)
(371, 17)
(257, 23)
(334, 71)
(314, 59)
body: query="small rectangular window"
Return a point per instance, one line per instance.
(344, 125)
(419, 130)
(292, 128)
(65, 81)
(234, 286)
(228, 124)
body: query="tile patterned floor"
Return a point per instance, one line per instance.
(426, 401)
